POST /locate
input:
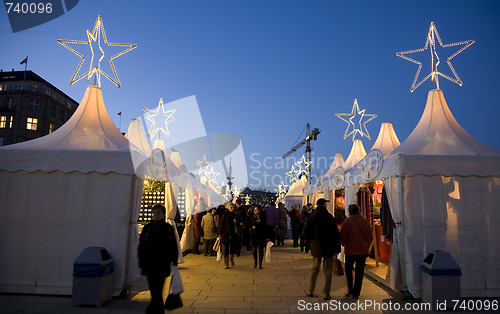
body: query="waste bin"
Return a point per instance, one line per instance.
(440, 280)
(93, 277)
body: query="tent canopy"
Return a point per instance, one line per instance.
(443, 187)
(72, 189)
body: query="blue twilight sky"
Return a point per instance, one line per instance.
(262, 69)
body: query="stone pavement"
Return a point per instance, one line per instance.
(209, 288)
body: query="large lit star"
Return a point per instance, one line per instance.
(431, 42)
(158, 119)
(95, 36)
(354, 112)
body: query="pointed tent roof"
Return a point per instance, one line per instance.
(440, 146)
(297, 187)
(357, 153)
(176, 158)
(88, 142)
(338, 161)
(387, 139)
(135, 134)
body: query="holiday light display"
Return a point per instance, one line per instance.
(203, 164)
(158, 119)
(354, 112)
(432, 35)
(95, 36)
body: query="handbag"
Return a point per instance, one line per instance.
(173, 301)
(216, 245)
(337, 267)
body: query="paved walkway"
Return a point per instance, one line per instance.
(209, 288)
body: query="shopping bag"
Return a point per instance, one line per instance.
(268, 251)
(219, 254)
(337, 267)
(216, 245)
(176, 281)
(173, 302)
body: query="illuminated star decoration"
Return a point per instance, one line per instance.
(355, 111)
(282, 187)
(158, 119)
(203, 164)
(302, 170)
(95, 36)
(431, 42)
(291, 174)
(211, 175)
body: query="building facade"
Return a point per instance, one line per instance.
(30, 107)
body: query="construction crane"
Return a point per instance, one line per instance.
(310, 136)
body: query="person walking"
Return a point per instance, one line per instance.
(356, 239)
(272, 221)
(295, 224)
(229, 235)
(157, 250)
(210, 227)
(322, 232)
(304, 215)
(283, 223)
(258, 232)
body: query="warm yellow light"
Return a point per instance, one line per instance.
(355, 111)
(431, 42)
(95, 36)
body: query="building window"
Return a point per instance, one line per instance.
(3, 122)
(8, 103)
(53, 110)
(31, 124)
(52, 127)
(11, 121)
(34, 103)
(62, 115)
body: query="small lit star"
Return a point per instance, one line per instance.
(291, 174)
(95, 36)
(158, 120)
(282, 187)
(431, 42)
(355, 111)
(212, 175)
(203, 164)
(301, 169)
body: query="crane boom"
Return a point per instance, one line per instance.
(309, 137)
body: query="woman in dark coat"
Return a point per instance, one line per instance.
(157, 249)
(228, 235)
(295, 224)
(258, 234)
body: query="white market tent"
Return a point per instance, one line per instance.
(296, 193)
(72, 189)
(387, 140)
(338, 161)
(443, 188)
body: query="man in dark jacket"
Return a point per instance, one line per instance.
(157, 249)
(321, 230)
